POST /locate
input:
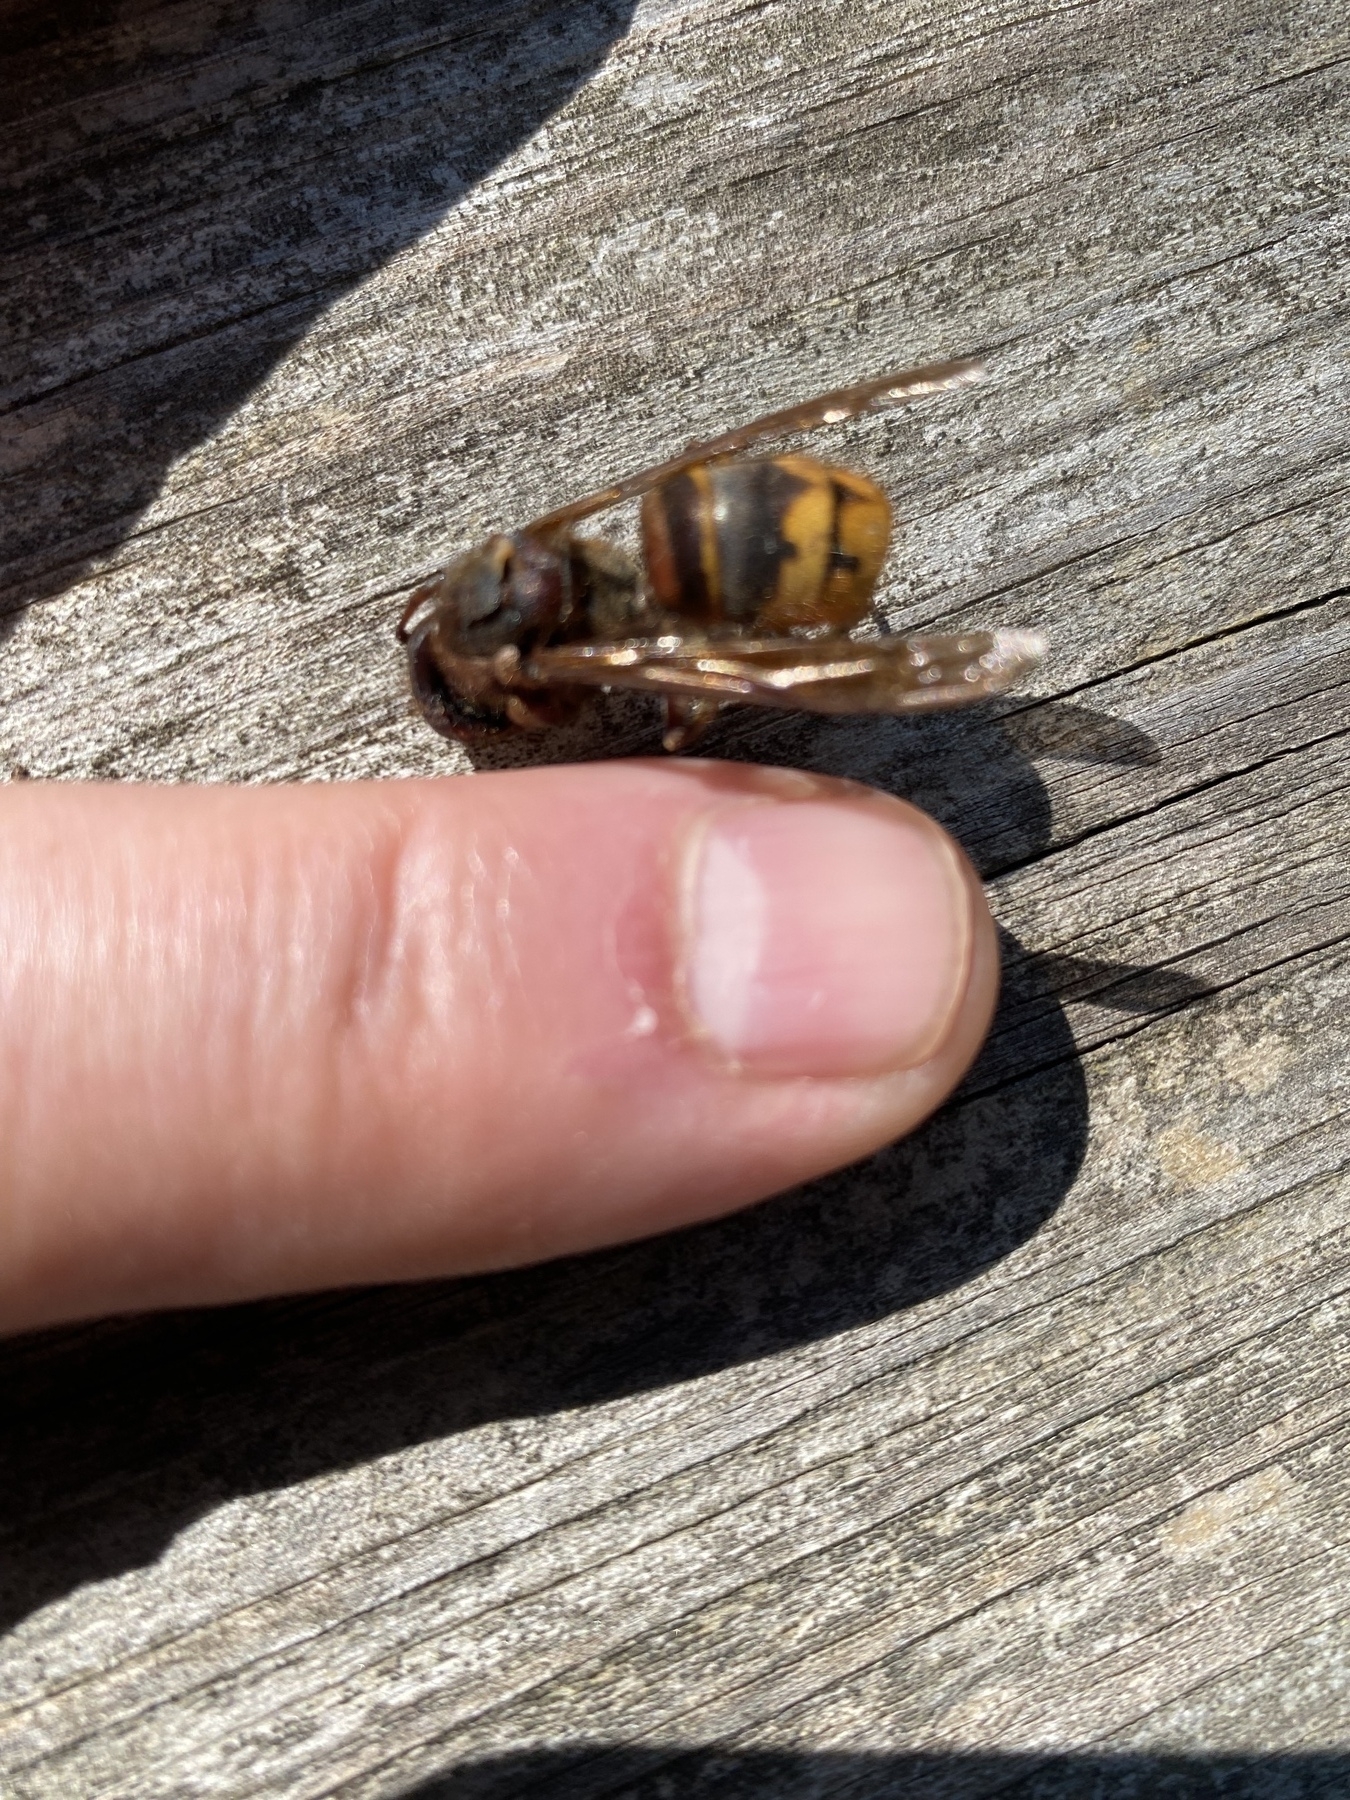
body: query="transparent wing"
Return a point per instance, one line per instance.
(823, 675)
(809, 415)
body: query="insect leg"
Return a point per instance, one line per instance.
(418, 599)
(686, 721)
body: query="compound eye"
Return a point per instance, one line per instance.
(508, 591)
(482, 581)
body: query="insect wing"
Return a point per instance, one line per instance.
(826, 409)
(821, 675)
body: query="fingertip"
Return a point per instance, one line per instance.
(828, 937)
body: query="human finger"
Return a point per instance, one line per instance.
(263, 1039)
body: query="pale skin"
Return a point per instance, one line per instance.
(258, 1040)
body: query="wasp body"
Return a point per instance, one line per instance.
(753, 570)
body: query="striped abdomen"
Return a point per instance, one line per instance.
(778, 543)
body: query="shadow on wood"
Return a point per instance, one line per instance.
(1062, 728)
(1120, 986)
(169, 237)
(673, 1771)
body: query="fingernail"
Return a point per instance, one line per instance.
(825, 938)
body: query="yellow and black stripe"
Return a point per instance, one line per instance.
(774, 543)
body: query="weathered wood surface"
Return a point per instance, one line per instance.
(1015, 1461)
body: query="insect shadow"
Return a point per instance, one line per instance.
(711, 1772)
(121, 1433)
(168, 238)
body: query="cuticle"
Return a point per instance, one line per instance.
(967, 882)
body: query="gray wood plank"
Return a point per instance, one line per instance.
(1010, 1462)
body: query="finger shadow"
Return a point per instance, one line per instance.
(185, 195)
(121, 1433)
(712, 1772)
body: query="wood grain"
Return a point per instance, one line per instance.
(1013, 1461)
